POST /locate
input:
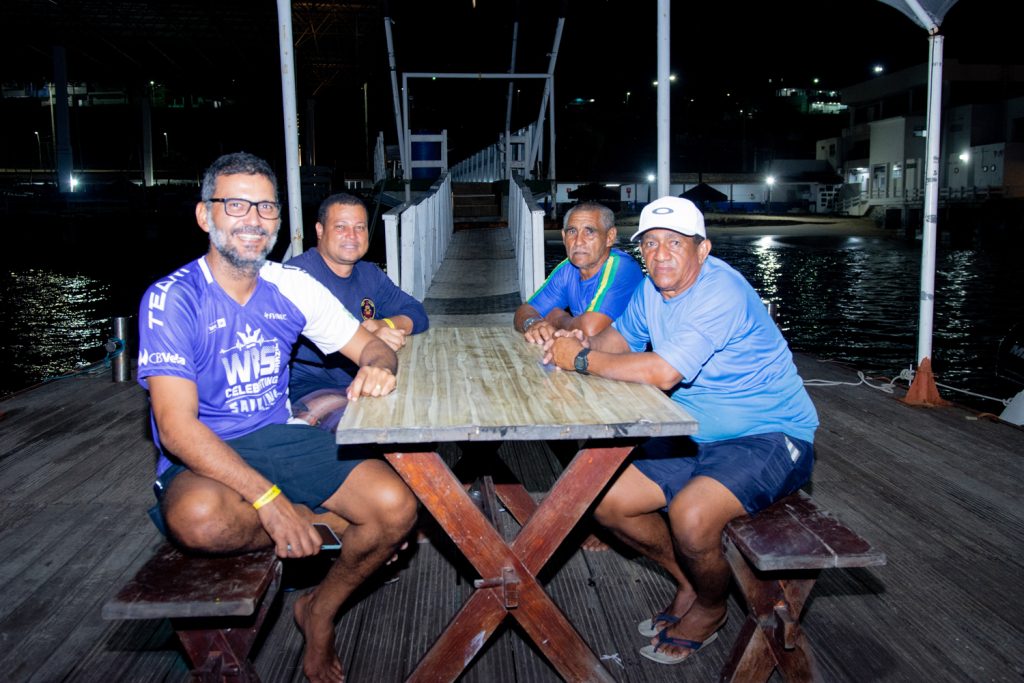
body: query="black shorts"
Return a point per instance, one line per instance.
(305, 463)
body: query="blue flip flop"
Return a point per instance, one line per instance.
(647, 628)
(651, 651)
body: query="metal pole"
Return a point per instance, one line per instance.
(148, 179)
(291, 126)
(406, 146)
(394, 89)
(64, 165)
(120, 365)
(551, 162)
(931, 199)
(512, 69)
(664, 136)
(535, 144)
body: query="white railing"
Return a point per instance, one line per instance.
(486, 166)
(416, 238)
(526, 225)
(498, 161)
(859, 205)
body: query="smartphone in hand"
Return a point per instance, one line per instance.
(328, 539)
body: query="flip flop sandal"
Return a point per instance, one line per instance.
(648, 629)
(651, 651)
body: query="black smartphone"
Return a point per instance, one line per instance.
(328, 539)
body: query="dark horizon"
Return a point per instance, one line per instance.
(198, 53)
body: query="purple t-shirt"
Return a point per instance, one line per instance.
(236, 355)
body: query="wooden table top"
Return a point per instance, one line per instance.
(488, 384)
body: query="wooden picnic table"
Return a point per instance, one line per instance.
(461, 384)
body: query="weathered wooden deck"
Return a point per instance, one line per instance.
(937, 490)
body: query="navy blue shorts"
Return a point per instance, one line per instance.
(305, 463)
(757, 469)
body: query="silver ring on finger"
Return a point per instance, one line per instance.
(289, 548)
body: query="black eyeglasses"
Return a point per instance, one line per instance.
(240, 207)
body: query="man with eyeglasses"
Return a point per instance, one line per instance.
(590, 288)
(233, 475)
(697, 329)
(319, 381)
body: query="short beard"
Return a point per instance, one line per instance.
(219, 240)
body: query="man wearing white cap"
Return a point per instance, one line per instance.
(716, 349)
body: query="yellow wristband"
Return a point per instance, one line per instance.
(387, 321)
(272, 493)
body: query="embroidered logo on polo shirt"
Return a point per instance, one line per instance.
(368, 309)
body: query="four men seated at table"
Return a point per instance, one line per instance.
(697, 329)
(233, 476)
(215, 337)
(318, 380)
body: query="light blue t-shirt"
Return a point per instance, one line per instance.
(738, 373)
(608, 291)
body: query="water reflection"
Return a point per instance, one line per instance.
(48, 324)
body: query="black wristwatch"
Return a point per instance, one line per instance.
(530, 322)
(581, 363)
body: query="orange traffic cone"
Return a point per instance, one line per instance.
(922, 391)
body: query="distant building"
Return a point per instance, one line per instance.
(880, 155)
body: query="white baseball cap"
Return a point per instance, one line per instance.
(671, 213)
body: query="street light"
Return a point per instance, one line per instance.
(39, 146)
(167, 146)
(650, 180)
(769, 181)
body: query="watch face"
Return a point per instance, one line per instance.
(581, 362)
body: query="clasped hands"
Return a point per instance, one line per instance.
(562, 347)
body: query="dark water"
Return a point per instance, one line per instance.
(846, 298)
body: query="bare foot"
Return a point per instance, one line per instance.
(698, 624)
(594, 544)
(320, 662)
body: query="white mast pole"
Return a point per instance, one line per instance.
(291, 126)
(664, 43)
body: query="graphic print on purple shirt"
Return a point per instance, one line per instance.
(236, 355)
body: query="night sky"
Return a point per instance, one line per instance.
(726, 56)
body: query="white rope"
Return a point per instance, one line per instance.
(886, 388)
(905, 374)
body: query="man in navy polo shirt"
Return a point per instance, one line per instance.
(319, 380)
(715, 348)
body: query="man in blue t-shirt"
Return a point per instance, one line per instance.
(587, 290)
(234, 476)
(318, 380)
(697, 329)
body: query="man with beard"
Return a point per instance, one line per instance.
(233, 476)
(589, 289)
(697, 329)
(319, 381)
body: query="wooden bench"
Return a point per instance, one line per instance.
(776, 557)
(216, 606)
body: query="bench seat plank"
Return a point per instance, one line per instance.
(174, 585)
(794, 533)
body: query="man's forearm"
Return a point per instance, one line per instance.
(377, 354)
(524, 313)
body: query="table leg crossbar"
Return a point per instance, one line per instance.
(509, 586)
